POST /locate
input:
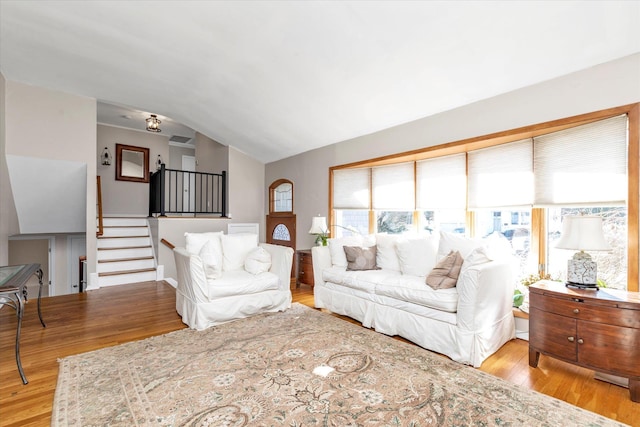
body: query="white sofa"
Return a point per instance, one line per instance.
(468, 322)
(227, 277)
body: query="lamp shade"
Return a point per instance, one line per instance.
(582, 233)
(318, 225)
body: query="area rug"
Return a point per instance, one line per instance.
(297, 368)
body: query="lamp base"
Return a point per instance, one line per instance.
(586, 286)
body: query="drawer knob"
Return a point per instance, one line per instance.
(576, 311)
(571, 339)
(580, 341)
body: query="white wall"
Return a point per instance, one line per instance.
(53, 125)
(608, 85)
(125, 197)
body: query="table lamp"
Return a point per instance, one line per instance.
(319, 229)
(582, 233)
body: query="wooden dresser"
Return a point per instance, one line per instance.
(598, 330)
(305, 267)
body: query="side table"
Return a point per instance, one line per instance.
(305, 267)
(598, 330)
(13, 292)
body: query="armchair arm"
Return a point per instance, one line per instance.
(321, 259)
(192, 281)
(281, 263)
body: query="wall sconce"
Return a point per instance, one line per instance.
(582, 233)
(159, 163)
(106, 157)
(153, 124)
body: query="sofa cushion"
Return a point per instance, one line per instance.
(338, 257)
(239, 282)
(457, 242)
(478, 256)
(365, 280)
(417, 256)
(412, 290)
(386, 256)
(359, 258)
(235, 248)
(257, 261)
(195, 241)
(445, 274)
(211, 256)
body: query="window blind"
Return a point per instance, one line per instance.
(393, 187)
(351, 188)
(501, 176)
(442, 183)
(585, 165)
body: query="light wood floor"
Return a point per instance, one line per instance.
(111, 316)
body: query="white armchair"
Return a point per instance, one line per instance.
(204, 298)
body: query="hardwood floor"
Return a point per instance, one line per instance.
(110, 316)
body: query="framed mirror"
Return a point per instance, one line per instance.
(132, 163)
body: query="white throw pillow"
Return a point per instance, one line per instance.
(195, 241)
(338, 257)
(211, 259)
(258, 261)
(457, 242)
(417, 256)
(235, 248)
(386, 256)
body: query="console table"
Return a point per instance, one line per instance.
(598, 330)
(13, 292)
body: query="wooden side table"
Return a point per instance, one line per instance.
(598, 330)
(305, 268)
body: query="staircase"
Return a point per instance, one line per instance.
(125, 254)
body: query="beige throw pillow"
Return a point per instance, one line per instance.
(445, 274)
(359, 258)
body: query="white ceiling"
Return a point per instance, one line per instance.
(276, 78)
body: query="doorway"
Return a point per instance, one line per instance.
(26, 250)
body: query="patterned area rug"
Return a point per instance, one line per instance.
(298, 368)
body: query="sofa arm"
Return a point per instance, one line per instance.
(281, 263)
(485, 295)
(192, 280)
(321, 259)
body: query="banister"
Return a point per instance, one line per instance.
(168, 244)
(99, 207)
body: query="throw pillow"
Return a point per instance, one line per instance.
(360, 258)
(211, 260)
(445, 274)
(258, 261)
(235, 248)
(477, 256)
(195, 241)
(417, 256)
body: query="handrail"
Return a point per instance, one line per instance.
(168, 243)
(99, 204)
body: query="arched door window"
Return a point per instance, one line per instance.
(281, 221)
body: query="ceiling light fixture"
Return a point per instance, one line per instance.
(153, 124)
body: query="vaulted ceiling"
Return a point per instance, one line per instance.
(276, 78)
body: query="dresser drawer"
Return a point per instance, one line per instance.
(305, 267)
(577, 308)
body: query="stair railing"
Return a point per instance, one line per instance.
(99, 208)
(173, 191)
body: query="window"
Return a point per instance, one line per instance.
(517, 183)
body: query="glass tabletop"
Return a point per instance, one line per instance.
(7, 272)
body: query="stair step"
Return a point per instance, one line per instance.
(107, 254)
(125, 259)
(144, 275)
(127, 231)
(124, 247)
(124, 221)
(117, 273)
(123, 242)
(121, 237)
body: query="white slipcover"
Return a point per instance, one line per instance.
(467, 323)
(237, 294)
